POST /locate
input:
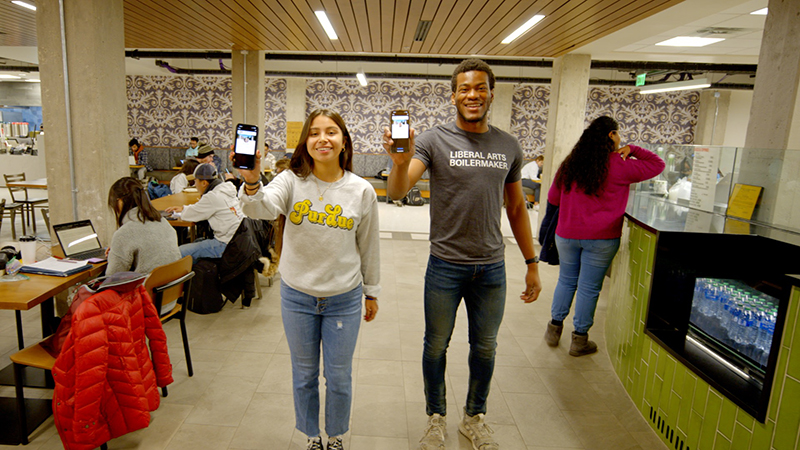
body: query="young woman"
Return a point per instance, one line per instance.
(180, 181)
(591, 190)
(143, 241)
(330, 259)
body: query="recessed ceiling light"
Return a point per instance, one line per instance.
(24, 5)
(362, 78)
(326, 24)
(689, 41)
(521, 30)
(760, 12)
(8, 77)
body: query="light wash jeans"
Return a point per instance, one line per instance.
(483, 288)
(207, 248)
(584, 263)
(333, 322)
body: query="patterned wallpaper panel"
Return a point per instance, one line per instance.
(665, 118)
(366, 110)
(166, 111)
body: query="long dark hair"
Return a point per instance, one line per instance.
(587, 165)
(302, 163)
(133, 195)
(188, 166)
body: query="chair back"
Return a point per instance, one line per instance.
(167, 283)
(15, 178)
(2, 211)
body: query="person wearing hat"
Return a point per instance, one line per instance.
(181, 181)
(205, 154)
(219, 205)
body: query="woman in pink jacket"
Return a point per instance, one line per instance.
(591, 190)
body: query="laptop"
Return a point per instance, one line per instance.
(79, 241)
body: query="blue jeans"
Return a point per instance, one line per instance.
(333, 322)
(207, 248)
(584, 263)
(483, 288)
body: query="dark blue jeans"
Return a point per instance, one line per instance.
(483, 288)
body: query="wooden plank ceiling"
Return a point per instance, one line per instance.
(458, 27)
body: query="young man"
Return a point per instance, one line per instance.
(530, 177)
(140, 154)
(194, 145)
(219, 205)
(472, 165)
(205, 154)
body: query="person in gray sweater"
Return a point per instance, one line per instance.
(143, 240)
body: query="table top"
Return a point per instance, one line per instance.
(41, 183)
(179, 199)
(25, 294)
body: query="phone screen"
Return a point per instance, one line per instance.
(400, 131)
(245, 146)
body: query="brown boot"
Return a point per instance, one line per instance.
(553, 334)
(581, 345)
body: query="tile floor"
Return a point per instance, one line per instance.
(240, 396)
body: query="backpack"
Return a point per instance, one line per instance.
(414, 197)
(205, 296)
(156, 190)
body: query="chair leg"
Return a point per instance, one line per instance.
(186, 345)
(258, 286)
(164, 392)
(104, 447)
(22, 418)
(33, 218)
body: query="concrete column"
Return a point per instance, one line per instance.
(295, 101)
(248, 67)
(568, 91)
(775, 100)
(712, 117)
(501, 106)
(95, 56)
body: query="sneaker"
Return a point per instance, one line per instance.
(478, 432)
(435, 434)
(335, 443)
(314, 443)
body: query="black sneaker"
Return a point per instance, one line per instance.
(335, 443)
(314, 443)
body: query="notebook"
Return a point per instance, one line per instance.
(79, 241)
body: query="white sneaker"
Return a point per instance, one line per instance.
(476, 430)
(435, 434)
(314, 443)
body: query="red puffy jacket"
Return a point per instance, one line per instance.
(106, 383)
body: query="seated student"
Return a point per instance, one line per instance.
(143, 240)
(194, 146)
(136, 149)
(218, 205)
(206, 155)
(530, 177)
(181, 181)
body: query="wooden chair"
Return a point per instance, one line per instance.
(10, 210)
(28, 203)
(33, 356)
(171, 283)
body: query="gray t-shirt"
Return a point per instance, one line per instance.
(468, 172)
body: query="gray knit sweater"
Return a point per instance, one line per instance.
(141, 247)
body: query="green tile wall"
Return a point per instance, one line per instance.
(697, 413)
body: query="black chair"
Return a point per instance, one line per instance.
(27, 203)
(11, 210)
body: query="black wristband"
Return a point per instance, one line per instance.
(533, 260)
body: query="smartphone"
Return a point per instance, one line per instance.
(244, 149)
(400, 131)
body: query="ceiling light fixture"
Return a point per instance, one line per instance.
(326, 24)
(689, 41)
(700, 83)
(24, 5)
(524, 28)
(362, 78)
(760, 12)
(8, 77)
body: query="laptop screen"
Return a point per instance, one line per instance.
(77, 237)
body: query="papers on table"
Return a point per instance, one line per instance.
(56, 267)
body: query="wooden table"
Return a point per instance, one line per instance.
(179, 199)
(24, 295)
(41, 183)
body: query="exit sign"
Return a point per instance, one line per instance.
(640, 79)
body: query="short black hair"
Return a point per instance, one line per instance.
(133, 142)
(468, 65)
(194, 138)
